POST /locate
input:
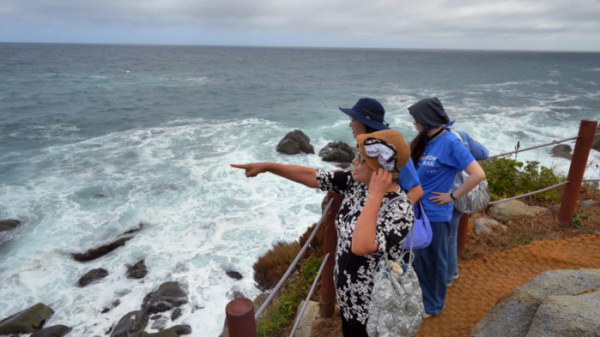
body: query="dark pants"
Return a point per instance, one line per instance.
(431, 266)
(353, 328)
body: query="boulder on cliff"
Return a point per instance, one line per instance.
(513, 314)
(570, 315)
(295, 142)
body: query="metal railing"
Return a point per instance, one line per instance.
(241, 320)
(293, 265)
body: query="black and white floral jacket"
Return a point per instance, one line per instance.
(354, 274)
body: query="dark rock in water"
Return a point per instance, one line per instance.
(343, 166)
(176, 314)
(234, 275)
(131, 323)
(134, 230)
(92, 276)
(294, 143)
(98, 196)
(52, 331)
(160, 323)
(137, 271)
(26, 321)
(562, 151)
(238, 294)
(337, 152)
(164, 333)
(114, 305)
(181, 329)
(168, 296)
(156, 317)
(6, 225)
(95, 253)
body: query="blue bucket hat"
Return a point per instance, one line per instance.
(369, 112)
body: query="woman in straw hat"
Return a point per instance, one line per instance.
(379, 157)
(438, 155)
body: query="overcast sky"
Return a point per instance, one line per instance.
(454, 24)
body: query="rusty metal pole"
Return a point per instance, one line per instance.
(327, 302)
(240, 318)
(583, 145)
(461, 239)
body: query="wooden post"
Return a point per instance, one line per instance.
(240, 318)
(461, 239)
(327, 302)
(578, 165)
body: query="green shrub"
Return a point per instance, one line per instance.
(274, 322)
(508, 178)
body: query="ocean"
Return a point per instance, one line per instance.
(96, 139)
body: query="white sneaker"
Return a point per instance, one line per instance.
(455, 277)
(426, 315)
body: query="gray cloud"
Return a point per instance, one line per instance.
(509, 22)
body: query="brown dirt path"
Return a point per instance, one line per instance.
(483, 281)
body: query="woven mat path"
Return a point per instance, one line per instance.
(482, 282)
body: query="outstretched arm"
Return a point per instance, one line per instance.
(301, 174)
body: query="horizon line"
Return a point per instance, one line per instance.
(305, 47)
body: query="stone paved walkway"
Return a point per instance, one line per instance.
(482, 282)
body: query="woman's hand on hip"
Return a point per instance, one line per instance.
(441, 198)
(252, 169)
(381, 180)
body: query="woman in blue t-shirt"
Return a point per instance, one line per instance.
(438, 156)
(367, 116)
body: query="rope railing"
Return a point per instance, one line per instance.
(532, 148)
(531, 193)
(293, 265)
(536, 147)
(310, 293)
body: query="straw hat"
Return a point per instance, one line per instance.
(385, 149)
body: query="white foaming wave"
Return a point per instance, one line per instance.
(200, 217)
(595, 69)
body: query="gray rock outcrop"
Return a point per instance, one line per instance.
(513, 315)
(92, 276)
(168, 296)
(512, 210)
(338, 152)
(562, 151)
(26, 321)
(234, 274)
(52, 331)
(568, 316)
(295, 142)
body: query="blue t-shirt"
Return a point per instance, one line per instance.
(444, 156)
(478, 151)
(408, 177)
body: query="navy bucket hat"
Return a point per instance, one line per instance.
(369, 112)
